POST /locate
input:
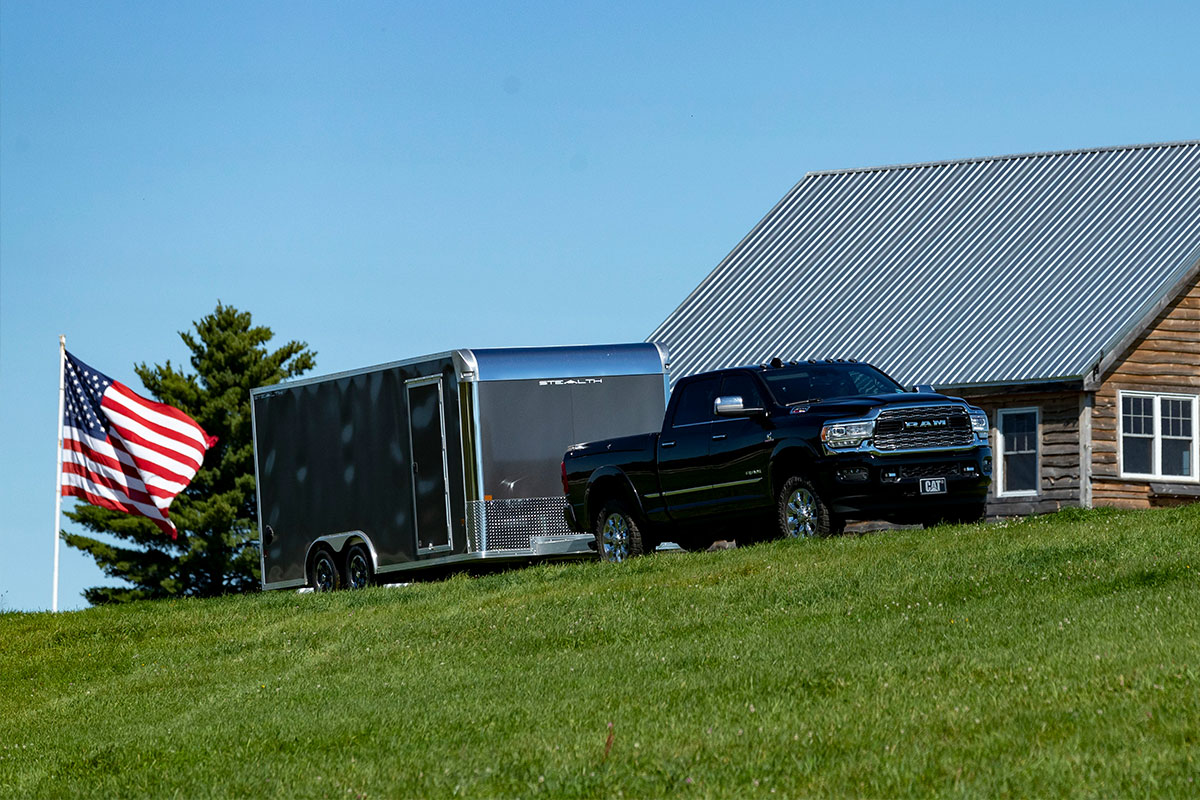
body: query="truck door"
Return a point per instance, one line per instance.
(683, 461)
(740, 450)
(427, 438)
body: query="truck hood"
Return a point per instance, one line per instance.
(860, 405)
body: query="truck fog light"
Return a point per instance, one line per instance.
(890, 476)
(853, 474)
(987, 465)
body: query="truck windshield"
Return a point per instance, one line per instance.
(812, 382)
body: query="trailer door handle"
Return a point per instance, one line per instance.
(719, 436)
(668, 444)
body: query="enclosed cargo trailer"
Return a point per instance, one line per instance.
(449, 458)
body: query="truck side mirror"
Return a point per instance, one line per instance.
(923, 388)
(731, 406)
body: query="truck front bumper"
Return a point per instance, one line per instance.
(889, 487)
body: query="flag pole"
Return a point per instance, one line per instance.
(62, 362)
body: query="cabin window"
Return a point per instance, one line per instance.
(1017, 467)
(1158, 436)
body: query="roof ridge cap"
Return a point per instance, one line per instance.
(1007, 157)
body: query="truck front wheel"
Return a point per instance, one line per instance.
(618, 536)
(802, 512)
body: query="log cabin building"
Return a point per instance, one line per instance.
(1058, 291)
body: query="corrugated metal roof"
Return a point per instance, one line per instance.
(997, 270)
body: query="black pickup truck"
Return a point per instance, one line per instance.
(792, 449)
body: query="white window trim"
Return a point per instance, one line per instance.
(998, 459)
(1156, 449)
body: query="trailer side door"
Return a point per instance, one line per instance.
(431, 480)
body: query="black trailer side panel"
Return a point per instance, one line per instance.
(335, 456)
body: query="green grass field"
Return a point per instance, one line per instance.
(1056, 656)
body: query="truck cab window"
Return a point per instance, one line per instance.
(696, 403)
(744, 387)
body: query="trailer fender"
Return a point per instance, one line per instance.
(605, 483)
(338, 542)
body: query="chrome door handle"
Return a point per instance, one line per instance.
(668, 444)
(719, 436)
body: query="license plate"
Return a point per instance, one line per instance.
(933, 485)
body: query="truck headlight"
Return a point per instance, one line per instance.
(979, 423)
(847, 434)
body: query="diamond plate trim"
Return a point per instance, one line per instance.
(509, 524)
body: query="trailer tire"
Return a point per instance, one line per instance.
(802, 513)
(618, 535)
(325, 575)
(358, 573)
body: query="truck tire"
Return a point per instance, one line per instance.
(325, 576)
(358, 568)
(618, 536)
(802, 513)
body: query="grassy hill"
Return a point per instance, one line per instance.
(1053, 656)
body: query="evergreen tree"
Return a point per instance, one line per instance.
(216, 516)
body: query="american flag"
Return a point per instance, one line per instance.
(122, 451)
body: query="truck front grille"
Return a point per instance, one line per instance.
(923, 428)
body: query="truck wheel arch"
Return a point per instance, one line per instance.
(609, 484)
(794, 460)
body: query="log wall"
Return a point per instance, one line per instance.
(1166, 358)
(1058, 447)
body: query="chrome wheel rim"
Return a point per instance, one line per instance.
(801, 513)
(323, 574)
(358, 572)
(614, 537)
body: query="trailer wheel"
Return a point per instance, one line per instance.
(802, 512)
(358, 567)
(325, 575)
(618, 536)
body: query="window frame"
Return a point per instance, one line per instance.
(715, 382)
(1156, 441)
(998, 460)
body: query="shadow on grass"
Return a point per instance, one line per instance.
(1140, 580)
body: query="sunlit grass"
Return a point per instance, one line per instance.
(1051, 656)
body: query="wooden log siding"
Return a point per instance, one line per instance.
(1058, 447)
(1165, 359)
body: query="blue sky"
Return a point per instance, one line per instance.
(384, 180)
